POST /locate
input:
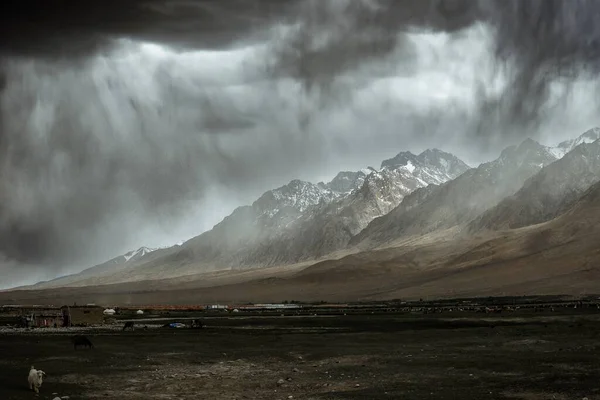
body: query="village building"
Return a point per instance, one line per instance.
(48, 318)
(35, 316)
(83, 315)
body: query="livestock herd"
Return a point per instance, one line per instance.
(36, 376)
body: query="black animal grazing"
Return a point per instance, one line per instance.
(128, 324)
(80, 340)
(197, 324)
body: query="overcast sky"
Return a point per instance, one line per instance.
(136, 123)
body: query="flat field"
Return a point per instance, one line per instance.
(517, 355)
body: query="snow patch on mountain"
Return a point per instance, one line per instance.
(406, 172)
(563, 148)
(367, 171)
(400, 175)
(384, 188)
(409, 167)
(135, 255)
(297, 195)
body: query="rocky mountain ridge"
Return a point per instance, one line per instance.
(302, 221)
(548, 193)
(566, 146)
(410, 195)
(287, 226)
(463, 199)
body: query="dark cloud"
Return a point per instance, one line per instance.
(536, 43)
(331, 38)
(71, 28)
(99, 135)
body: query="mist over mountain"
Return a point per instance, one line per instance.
(296, 222)
(548, 193)
(460, 200)
(412, 200)
(555, 257)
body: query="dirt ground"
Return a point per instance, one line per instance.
(376, 356)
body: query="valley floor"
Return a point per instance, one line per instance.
(520, 355)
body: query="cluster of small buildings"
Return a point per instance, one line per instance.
(92, 314)
(251, 307)
(209, 307)
(40, 316)
(52, 316)
(269, 306)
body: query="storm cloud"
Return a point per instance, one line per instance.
(145, 122)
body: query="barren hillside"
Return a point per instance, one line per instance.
(556, 257)
(548, 193)
(458, 201)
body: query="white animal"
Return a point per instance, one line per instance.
(35, 379)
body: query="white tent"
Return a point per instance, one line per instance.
(109, 311)
(139, 312)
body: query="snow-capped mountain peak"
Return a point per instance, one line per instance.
(432, 166)
(135, 255)
(401, 159)
(563, 148)
(347, 181)
(297, 195)
(445, 163)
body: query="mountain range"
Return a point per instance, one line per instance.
(385, 232)
(297, 222)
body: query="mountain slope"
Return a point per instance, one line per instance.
(409, 196)
(297, 222)
(325, 225)
(460, 200)
(556, 257)
(327, 228)
(273, 210)
(127, 260)
(589, 136)
(548, 193)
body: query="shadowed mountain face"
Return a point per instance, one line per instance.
(546, 194)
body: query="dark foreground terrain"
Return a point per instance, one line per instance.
(456, 355)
